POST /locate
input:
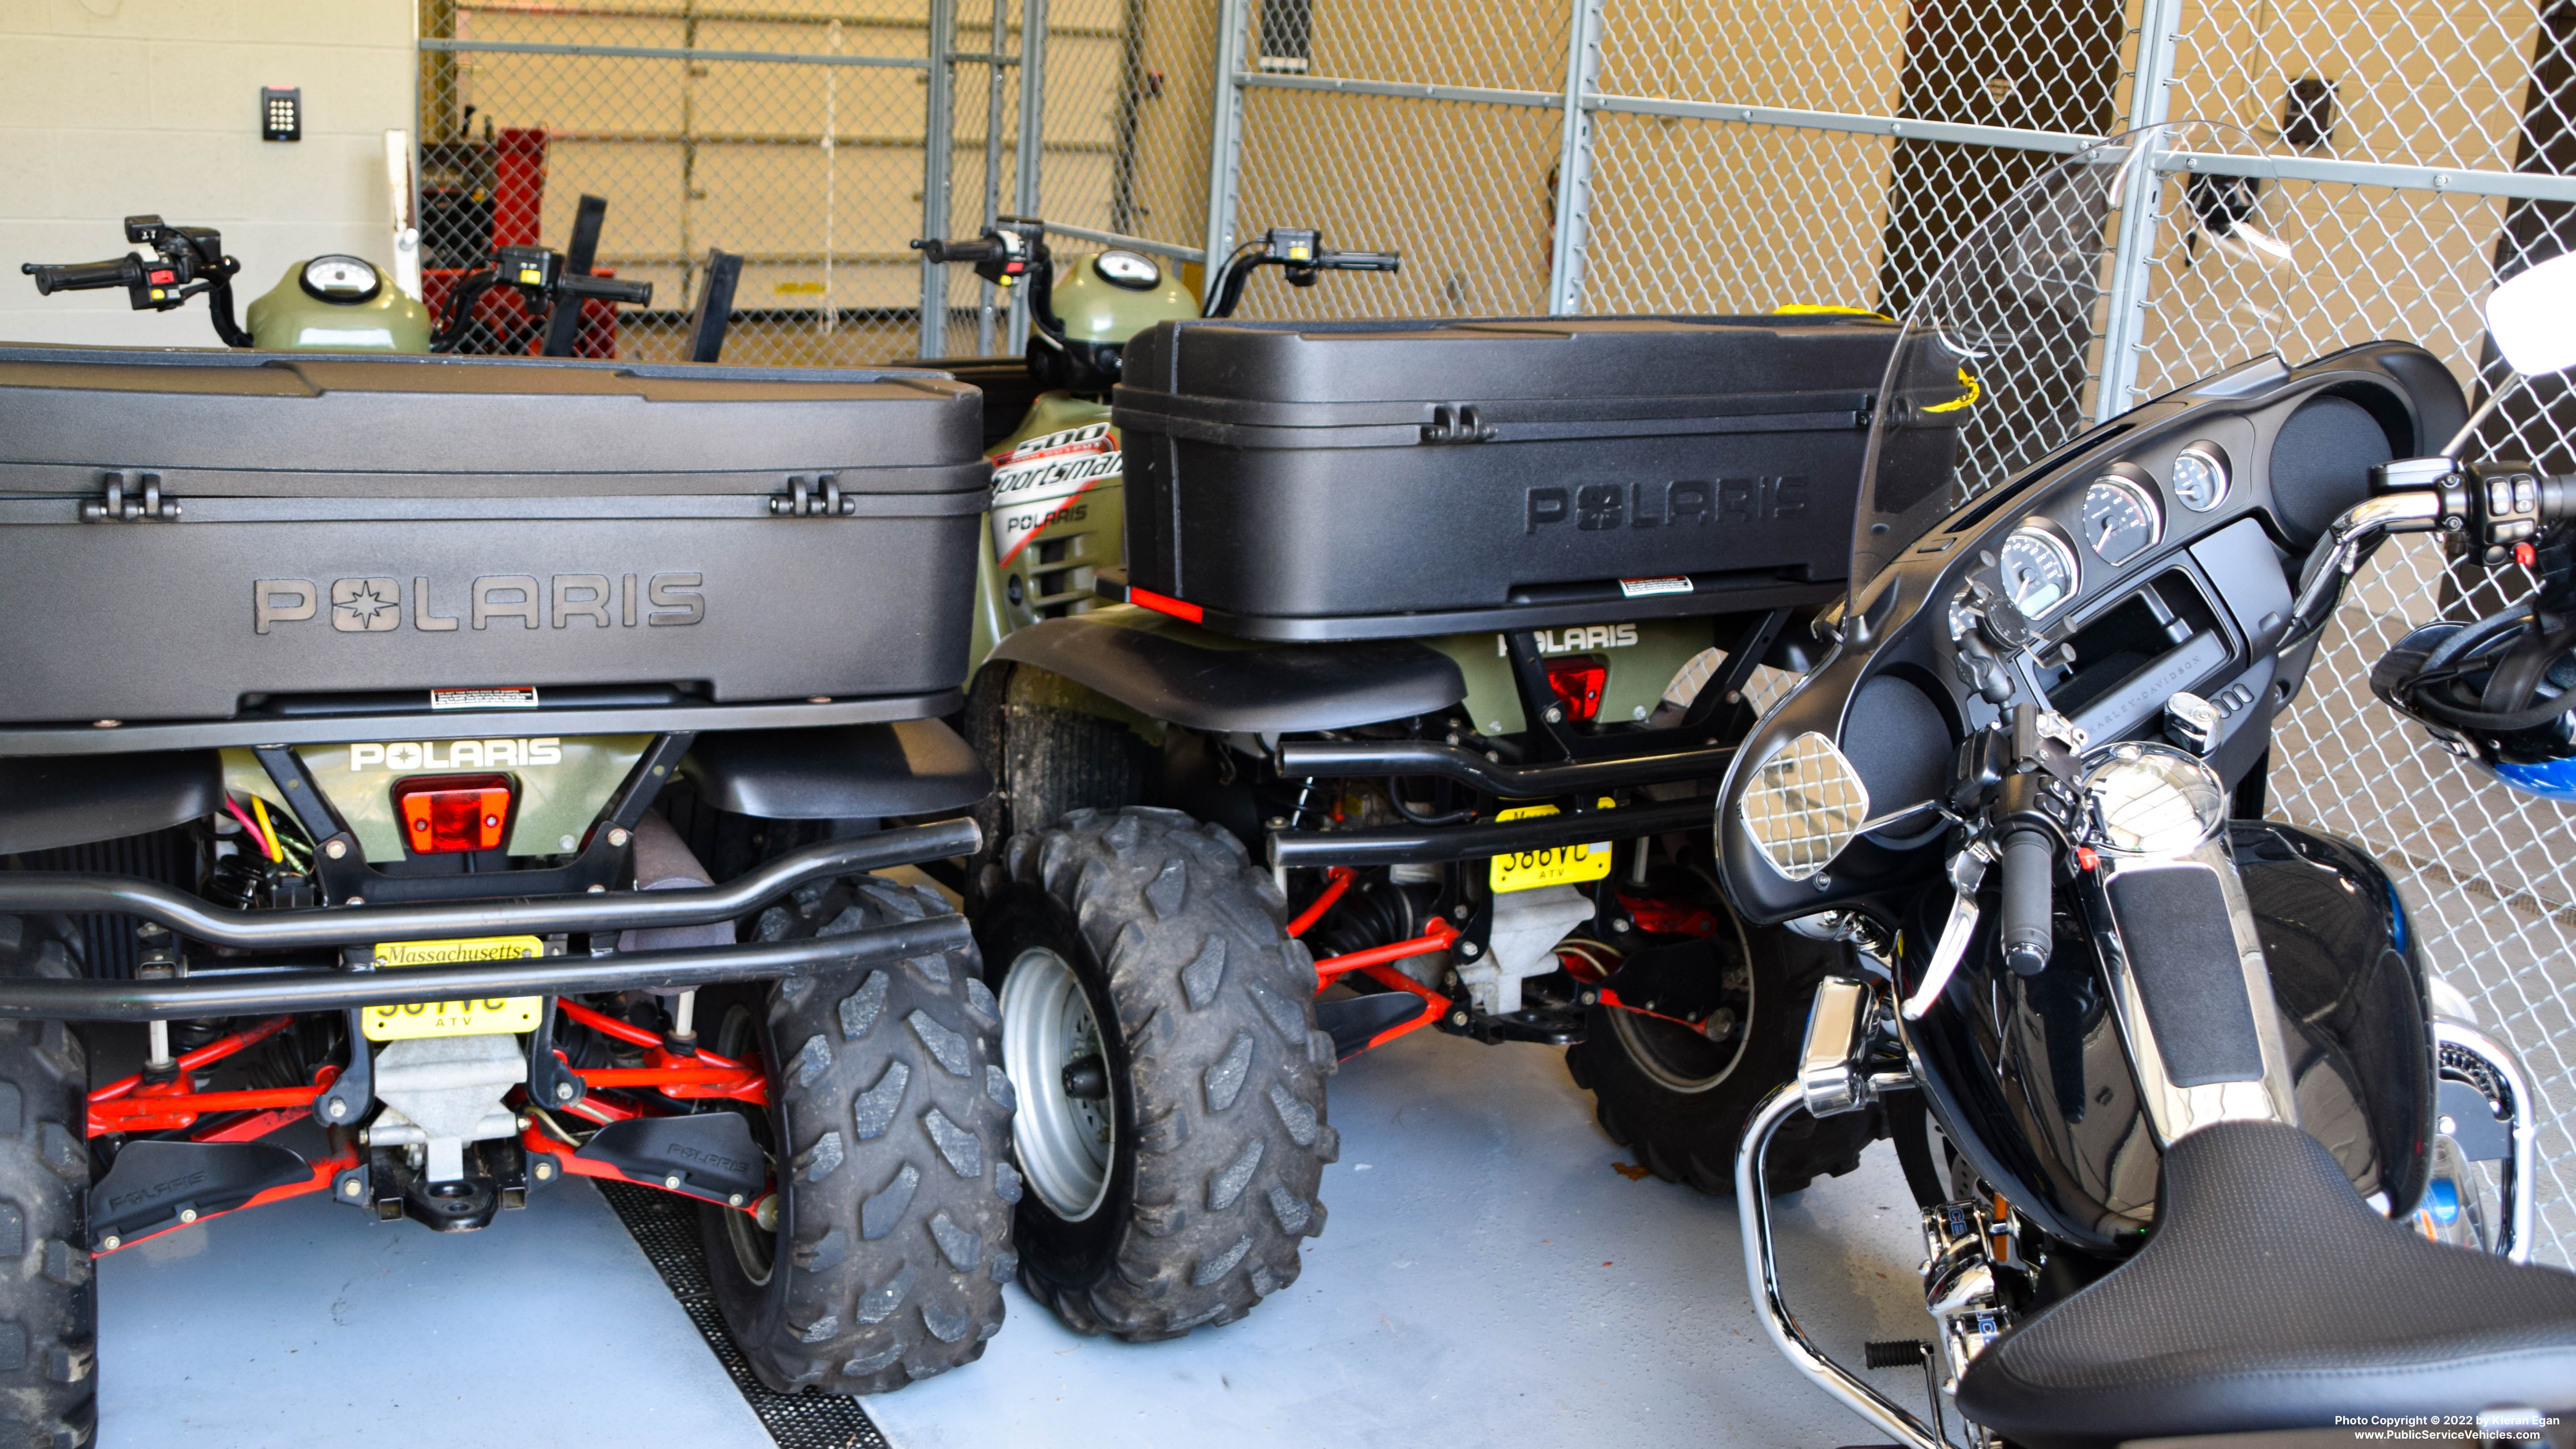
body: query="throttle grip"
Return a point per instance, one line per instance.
(1361, 261)
(609, 288)
(2028, 895)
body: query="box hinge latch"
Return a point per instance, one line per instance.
(1459, 424)
(131, 499)
(817, 497)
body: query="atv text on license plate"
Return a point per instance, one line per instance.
(1558, 865)
(454, 1018)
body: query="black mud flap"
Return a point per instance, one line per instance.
(1354, 1021)
(709, 1156)
(155, 1186)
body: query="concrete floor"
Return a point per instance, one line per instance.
(1489, 1277)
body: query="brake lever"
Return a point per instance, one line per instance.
(1967, 872)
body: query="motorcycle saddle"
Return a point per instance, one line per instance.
(2272, 1297)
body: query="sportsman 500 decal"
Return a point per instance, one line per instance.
(1038, 482)
(379, 605)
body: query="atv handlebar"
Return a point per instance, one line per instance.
(1298, 252)
(125, 271)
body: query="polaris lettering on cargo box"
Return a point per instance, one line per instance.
(1039, 481)
(1592, 507)
(380, 605)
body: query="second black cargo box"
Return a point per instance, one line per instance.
(223, 538)
(1349, 480)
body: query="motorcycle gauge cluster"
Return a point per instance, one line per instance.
(2200, 478)
(2038, 571)
(2121, 519)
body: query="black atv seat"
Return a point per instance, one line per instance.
(2272, 1297)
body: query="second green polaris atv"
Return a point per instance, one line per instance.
(1058, 471)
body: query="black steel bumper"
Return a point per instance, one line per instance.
(252, 991)
(235, 989)
(1405, 844)
(1511, 782)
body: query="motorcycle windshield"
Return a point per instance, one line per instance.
(2003, 355)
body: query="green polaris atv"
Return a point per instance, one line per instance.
(1057, 491)
(1402, 707)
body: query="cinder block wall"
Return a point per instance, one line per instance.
(112, 107)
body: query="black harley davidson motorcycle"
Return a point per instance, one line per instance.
(2185, 1114)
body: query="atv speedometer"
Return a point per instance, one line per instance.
(342, 279)
(1133, 270)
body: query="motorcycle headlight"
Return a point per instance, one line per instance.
(1804, 805)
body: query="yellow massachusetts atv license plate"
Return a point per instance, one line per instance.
(454, 1018)
(1558, 865)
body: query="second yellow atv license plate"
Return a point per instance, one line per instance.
(1558, 865)
(454, 1018)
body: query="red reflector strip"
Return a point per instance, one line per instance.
(446, 813)
(1165, 604)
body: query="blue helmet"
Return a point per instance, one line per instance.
(2499, 692)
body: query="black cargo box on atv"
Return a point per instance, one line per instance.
(209, 536)
(1300, 480)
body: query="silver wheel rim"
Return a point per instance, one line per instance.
(1065, 1142)
(755, 1251)
(1645, 1041)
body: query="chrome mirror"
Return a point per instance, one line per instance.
(2532, 317)
(1804, 805)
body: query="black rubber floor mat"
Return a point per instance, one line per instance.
(666, 1228)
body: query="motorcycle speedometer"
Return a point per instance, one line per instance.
(2038, 570)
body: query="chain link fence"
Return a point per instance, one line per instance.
(1651, 156)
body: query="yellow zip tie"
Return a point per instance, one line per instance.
(268, 832)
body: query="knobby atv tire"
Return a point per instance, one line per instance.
(1688, 1133)
(894, 1231)
(1216, 1070)
(1046, 760)
(48, 1302)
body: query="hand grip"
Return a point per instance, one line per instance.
(609, 288)
(2028, 894)
(960, 251)
(1361, 261)
(80, 276)
(2557, 498)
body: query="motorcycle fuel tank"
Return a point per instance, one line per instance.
(2034, 1087)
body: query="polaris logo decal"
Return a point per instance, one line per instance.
(1575, 641)
(1043, 479)
(407, 755)
(380, 605)
(1593, 507)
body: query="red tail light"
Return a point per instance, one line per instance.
(1578, 680)
(444, 813)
